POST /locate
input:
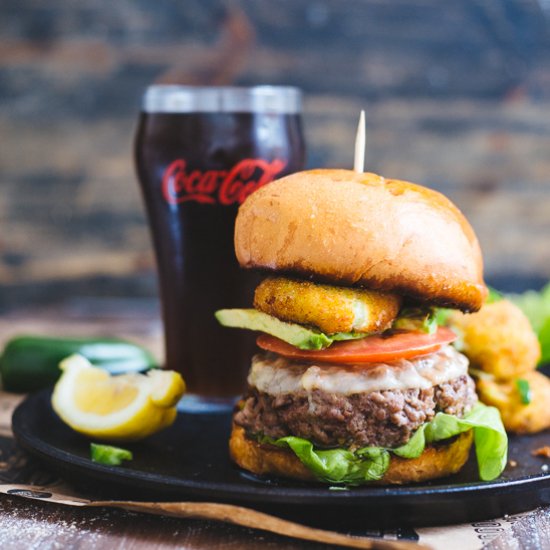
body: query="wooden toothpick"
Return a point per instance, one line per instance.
(359, 157)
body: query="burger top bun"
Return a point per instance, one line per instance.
(361, 229)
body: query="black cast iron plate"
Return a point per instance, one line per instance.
(190, 461)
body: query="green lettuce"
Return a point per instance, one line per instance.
(536, 306)
(339, 465)
(494, 295)
(370, 463)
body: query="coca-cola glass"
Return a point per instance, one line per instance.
(200, 151)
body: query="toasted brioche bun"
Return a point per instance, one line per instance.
(436, 461)
(347, 228)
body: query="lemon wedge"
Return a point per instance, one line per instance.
(127, 407)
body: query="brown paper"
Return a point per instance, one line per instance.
(237, 515)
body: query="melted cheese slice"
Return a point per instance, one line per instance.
(273, 374)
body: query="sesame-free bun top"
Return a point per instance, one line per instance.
(351, 228)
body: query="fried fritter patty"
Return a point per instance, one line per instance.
(498, 340)
(517, 416)
(329, 308)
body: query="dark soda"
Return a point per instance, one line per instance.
(195, 169)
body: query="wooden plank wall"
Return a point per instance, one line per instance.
(457, 96)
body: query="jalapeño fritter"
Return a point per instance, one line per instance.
(329, 308)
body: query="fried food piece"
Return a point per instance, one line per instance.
(516, 416)
(542, 451)
(498, 340)
(329, 308)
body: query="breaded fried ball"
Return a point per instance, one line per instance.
(498, 340)
(516, 416)
(329, 308)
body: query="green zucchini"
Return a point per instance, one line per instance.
(31, 362)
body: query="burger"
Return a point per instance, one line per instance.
(355, 381)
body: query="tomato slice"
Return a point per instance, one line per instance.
(372, 349)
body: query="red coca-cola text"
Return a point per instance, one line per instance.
(217, 186)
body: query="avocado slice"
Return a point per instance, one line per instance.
(292, 333)
(416, 319)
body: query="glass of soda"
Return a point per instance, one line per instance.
(199, 152)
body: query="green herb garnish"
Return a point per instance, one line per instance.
(111, 456)
(524, 390)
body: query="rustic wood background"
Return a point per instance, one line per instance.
(457, 96)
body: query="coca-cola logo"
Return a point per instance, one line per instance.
(217, 186)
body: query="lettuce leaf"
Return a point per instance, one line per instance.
(441, 315)
(544, 339)
(339, 465)
(536, 306)
(490, 439)
(370, 463)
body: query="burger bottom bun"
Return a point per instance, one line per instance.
(436, 461)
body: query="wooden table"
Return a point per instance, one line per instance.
(29, 524)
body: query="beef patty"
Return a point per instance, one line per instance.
(386, 418)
